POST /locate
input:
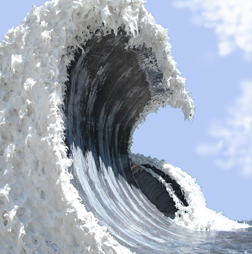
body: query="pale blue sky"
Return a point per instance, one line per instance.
(216, 84)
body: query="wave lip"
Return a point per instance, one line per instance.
(76, 80)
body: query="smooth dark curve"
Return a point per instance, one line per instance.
(107, 90)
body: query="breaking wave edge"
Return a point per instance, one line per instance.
(77, 78)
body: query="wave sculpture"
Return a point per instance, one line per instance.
(77, 78)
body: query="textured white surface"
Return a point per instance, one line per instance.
(196, 216)
(40, 210)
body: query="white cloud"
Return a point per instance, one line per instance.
(234, 135)
(231, 20)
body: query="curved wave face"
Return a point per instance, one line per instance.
(77, 78)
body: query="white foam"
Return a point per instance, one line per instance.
(196, 215)
(40, 209)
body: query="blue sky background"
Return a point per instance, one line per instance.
(216, 147)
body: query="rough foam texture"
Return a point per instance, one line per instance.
(196, 216)
(40, 210)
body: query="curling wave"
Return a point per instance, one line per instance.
(77, 78)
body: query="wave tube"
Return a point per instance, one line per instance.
(77, 78)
